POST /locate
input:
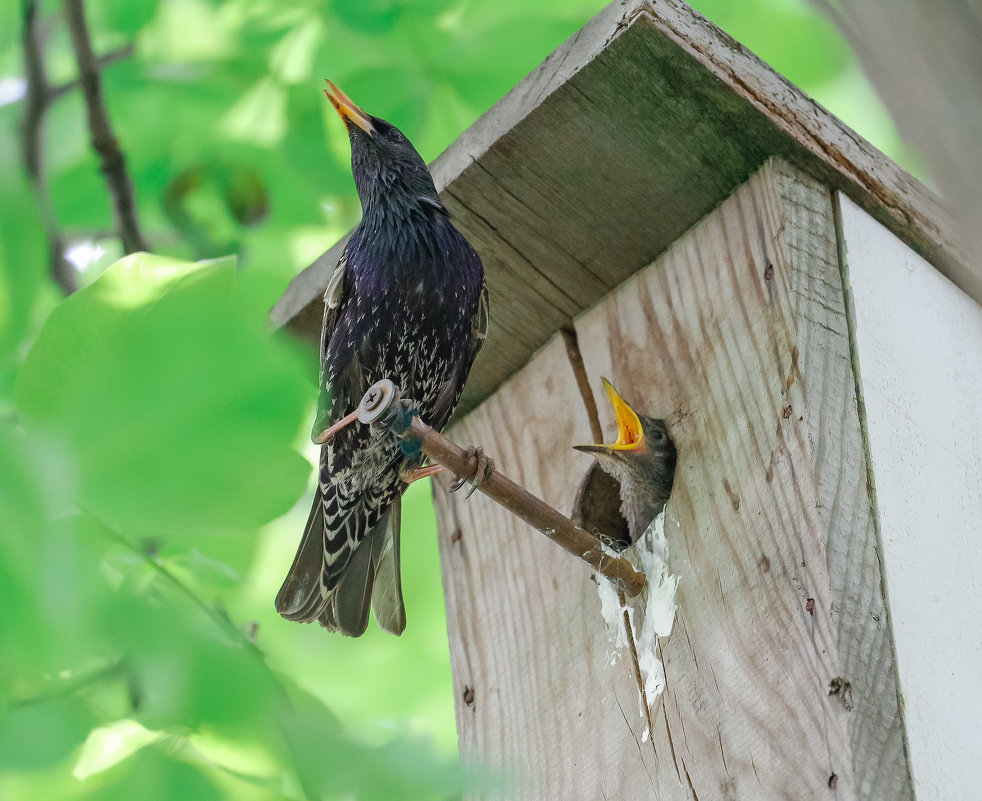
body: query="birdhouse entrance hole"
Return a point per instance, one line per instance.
(597, 508)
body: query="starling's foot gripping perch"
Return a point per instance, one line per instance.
(483, 468)
(409, 476)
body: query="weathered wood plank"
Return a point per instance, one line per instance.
(619, 142)
(738, 333)
(536, 692)
(919, 351)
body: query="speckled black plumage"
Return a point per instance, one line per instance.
(407, 302)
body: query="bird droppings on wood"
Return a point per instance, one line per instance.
(833, 781)
(768, 272)
(787, 413)
(469, 696)
(810, 606)
(656, 606)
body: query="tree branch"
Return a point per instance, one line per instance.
(36, 101)
(103, 61)
(103, 141)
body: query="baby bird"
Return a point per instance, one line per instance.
(642, 464)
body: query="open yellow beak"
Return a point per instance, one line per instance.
(630, 436)
(348, 109)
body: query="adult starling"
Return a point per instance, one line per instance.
(407, 302)
(641, 460)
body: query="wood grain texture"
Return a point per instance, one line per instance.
(919, 354)
(739, 335)
(620, 141)
(536, 693)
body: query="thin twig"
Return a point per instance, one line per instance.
(70, 686)
(222, 620)
(103, 61)
(36, 101)
(103, 141)
(636, 664)
(575, 358)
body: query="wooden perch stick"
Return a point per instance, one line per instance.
(380, 407)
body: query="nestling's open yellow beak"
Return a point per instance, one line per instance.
(348, 109)
(630, 436)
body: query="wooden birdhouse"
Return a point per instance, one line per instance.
(655, 205)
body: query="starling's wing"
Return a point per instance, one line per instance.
(479, 325)
(299, 598)
(446, 401)
(335, 296)
(387, 603)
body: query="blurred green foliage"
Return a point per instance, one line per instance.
(152, 490)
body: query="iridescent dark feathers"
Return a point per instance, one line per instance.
(407, 302)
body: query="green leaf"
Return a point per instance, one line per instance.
(796, 40)
(125, 16)
(51, 592)
(187, 669)
(23, 261)
(151, 774)
(37, 735)
(370, 16)
(178, 404)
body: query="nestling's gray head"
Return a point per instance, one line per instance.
(642, 459)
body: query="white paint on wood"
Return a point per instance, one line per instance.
(919, 343)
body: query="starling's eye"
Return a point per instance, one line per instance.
(396, 135)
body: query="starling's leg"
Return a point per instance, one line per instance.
(327, 433)
(409, 476)
(482, 471)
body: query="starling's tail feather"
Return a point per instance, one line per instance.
(342, 603)
(387, 603)
(348, 602)
(300, 598)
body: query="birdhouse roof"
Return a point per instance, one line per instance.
(621, 140)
